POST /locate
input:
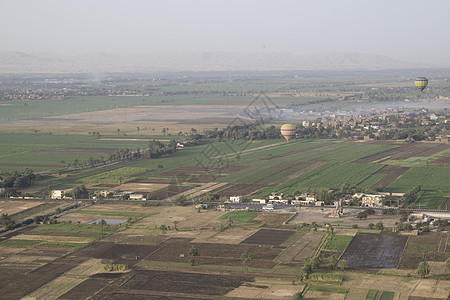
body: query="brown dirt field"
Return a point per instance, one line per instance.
(300, 249)
(368, 250)
(296, 151)
(137, 236)
(392, 173)
(404, 151)
(238, 189)
(187, 171)
(181, 282)
(187, 217)
(53, 238)
(204, 178)
(307, 245)
(10, 272)
(263, 289)
(198, 191)
(273, 219)
(233, 235)
(11, 207)
(125, 253)
(86, 289)
(69, 280)
(432, 289)
(169, 191)
(55, 288)
(47, 250)
(176, 249)
(423, 247)
(15, 289)
(268, 237)
(158, 180)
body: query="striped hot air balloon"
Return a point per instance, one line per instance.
(421, 83)
(288, 131)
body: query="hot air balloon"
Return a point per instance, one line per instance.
(421, 83)
(288, 131)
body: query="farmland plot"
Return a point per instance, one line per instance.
(430, 178)
(268, 237)
(368, 250)
(423, 247)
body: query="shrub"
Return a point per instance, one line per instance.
(115, 267)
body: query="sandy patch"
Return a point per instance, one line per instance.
(234, 235)
(12, 207)
(432, 288)
(142, 187)
(52, 238)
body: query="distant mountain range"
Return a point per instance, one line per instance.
(20, 62)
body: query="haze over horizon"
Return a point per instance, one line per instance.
(404, 30)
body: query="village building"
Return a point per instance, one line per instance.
(235, 199)
(137, 196)
(276, 196)
(259, 201)
(57, 194)
(372, 200)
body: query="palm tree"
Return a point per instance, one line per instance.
(333, 260)
(343, 264)
(314, 261)
(423, 269)
(193, 252)
(245, 259)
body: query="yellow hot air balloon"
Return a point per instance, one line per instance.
(288, 131)
(421, 83)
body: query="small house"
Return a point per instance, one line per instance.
(136, 196)
(57, 194)
(235, 199)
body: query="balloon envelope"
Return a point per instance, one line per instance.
(288, 131)
(421, 83)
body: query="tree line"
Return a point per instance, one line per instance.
(17, 179)
(250, 131)
(154, 149)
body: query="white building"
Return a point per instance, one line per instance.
(372, 200)
(259, 201)
(57, 194)
(136, 196)
(235, 199)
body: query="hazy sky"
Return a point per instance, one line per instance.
(409, 30)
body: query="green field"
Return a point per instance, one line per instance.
(274, 165)
(240, 216)
(23, 110)
(386, 295)
(337, 242)
(41, 152)
(371, 294)
(430, 178)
